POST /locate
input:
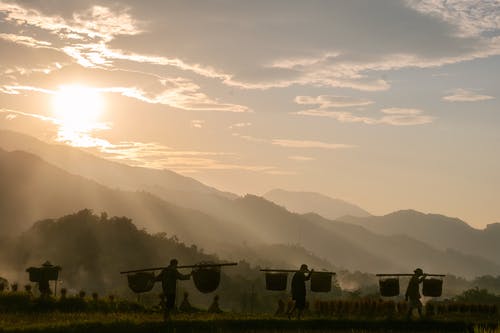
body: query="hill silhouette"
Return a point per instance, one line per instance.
(33, 189)
(311, 202)
(440, 231)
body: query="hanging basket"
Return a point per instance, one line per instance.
(51, 273)
(321, 282)
(35, 274)
(276, 281)
(206, 279)
(432, 287)
(141, 282)
(389, 287)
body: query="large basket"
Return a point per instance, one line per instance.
(37, 274)
(276, 281)
(321, 282)
(206, 279)
(432, 287)
(389, 287)
(141, 282)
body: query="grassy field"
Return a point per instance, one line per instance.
(221, 323)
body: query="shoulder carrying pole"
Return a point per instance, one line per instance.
(291, 271)
(185, 266)
(405, 274)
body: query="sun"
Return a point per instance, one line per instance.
(77, 108)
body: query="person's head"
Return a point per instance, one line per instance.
(418, 272)
(47, 264)
(303, 268)
(174, 262)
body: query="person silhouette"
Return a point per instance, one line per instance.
(412, 295)
(43, 283)
(299, 290)
(168, 277)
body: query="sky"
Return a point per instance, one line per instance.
(386, 104)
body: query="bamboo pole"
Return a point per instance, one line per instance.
(405, 274)
(291, 271)
(185, 266)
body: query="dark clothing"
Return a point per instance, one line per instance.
(44, 287)
(169, 277)
(299, 289)
(413, 294)
(170, 301)
(413, 290)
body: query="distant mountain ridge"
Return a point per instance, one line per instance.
(172, 186)
(32, 189)
(437, 230)
(311, 202)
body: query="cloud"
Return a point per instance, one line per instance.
(419, 34)
(309, 144)
(463, 95)
(470, 17)
(10, 116)
(239, 125)
(249, 138)
(331, 101)
(391, 116)
(96, 22)
(197, 123)
(301, 158)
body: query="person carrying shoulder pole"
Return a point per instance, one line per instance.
(299, 290)
(413, 292)
(168, 277)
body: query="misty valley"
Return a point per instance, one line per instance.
(94, 219)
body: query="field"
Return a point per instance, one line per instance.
(153, 322)
(21, 312)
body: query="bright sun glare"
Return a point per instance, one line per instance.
(77, 108)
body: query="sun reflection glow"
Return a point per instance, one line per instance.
(77, 110)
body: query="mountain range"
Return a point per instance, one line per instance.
(40, 180)
(311, 202)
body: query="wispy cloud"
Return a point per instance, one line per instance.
(471, 17)
(327, 108)
(197, 123)
(332, 101)
(96, 22)
(463, 95)
(249, 138)
(301, 158)
(240, 125)
(309, 144)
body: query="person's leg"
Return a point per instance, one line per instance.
(419, 308)
(410, 309)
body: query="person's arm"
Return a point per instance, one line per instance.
(422, 278)
(308, 277)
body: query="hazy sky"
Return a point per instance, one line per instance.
(387, 104)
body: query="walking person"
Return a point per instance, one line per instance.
(413, 292)
(168, 278)
(299, 290)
